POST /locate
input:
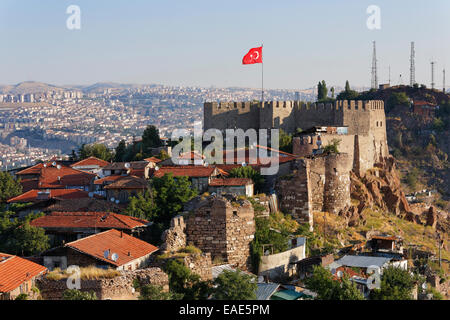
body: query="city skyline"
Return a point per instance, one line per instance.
(202, 44)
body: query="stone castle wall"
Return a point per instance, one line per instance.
(223, 228)
(290, 115)
(320, 183)
(118, 288)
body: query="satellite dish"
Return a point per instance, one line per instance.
(114, 257)
(45, 165)
(106, 254)
(58, 166)
(340, 274)
(156, 168)
(127, 165)
(54, 163)
(424, 286)
(112, 199)
(244, 164)
(117, 201)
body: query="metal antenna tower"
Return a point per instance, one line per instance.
(374, 67)
(412, 68)
(432, 74)
(443, 80)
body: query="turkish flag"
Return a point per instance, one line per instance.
(254, 55)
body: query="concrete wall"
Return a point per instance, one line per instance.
(277, 265)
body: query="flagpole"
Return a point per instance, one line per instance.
(262, 79)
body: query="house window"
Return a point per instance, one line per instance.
(235, 212)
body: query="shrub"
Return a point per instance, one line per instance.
(22, 296)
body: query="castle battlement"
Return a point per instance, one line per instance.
(363, 105)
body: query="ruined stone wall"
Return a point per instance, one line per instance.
(294, 194)
(174, 238)
(320, 183)
(337, 182)
(118, 288)
(223, 228)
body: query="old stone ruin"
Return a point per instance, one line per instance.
(116, 288)
(221, 226)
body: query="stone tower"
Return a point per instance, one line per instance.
(223, 226)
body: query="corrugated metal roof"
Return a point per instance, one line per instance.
(286, 295)
(266, 290)
(363, 261)
(217, 270)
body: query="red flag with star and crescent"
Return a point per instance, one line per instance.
(254, 55)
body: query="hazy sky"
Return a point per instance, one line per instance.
(193, 42)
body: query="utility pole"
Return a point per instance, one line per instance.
(374, 67)
(412, 68)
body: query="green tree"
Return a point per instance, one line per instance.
(184, 283)
(332, 147)
(150, 139)
(319, 91)
(74, 294)
(9, 187)
(97, 150)
(347, 86)
(396, 284)
(285, 141)
(235, 285)
(163, 155)
(169, 196)
(268, 232)
(322, 283)
(120, 151)
(248, 172)
(348, 93)
(332, 92)
(397, 99)
(20, 238)
(22, 296)
(141, 206)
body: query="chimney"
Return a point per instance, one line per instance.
(121, 233)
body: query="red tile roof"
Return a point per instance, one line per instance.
(230, 182)
(15, 270)
(153, 159)
(108, 179)
(36, 169)
(423, 103)
(188, 171)
(127, 248)
(48, 178)
(128, 182)
(138, 173)
(91, 161)
(107, 220)
(32, 195)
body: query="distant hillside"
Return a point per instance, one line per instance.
(29, 87)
